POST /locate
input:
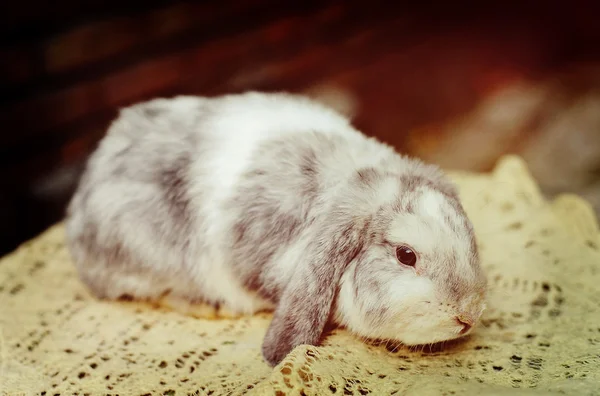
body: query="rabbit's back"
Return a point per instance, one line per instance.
(152, 212)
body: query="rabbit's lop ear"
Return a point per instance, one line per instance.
(305, 304)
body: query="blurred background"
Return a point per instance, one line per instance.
(457, 84)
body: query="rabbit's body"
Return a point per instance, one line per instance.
(173, 167)
(253, 201)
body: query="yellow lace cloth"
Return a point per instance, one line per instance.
(540, 335)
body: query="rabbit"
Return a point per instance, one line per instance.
(271, 201)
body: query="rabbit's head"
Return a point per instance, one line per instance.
(395, 257)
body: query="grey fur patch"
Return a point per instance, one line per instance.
(174, 185)
(309, 165)
(153, 110)
(274, 205)
(368, 176)
(450, 223)
(120, 162)
(305, 307)
(411, 183)
(108, 252)
(363, 279)
(257, 240)
(367, 282)
(163, 208)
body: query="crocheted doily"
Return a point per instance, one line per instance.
(540, 334)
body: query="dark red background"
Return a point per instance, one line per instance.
(66, 66)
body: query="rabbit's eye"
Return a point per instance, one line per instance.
(406, 256)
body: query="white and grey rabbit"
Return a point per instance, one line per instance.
(261, 201)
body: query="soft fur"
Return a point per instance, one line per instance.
(272, 201)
